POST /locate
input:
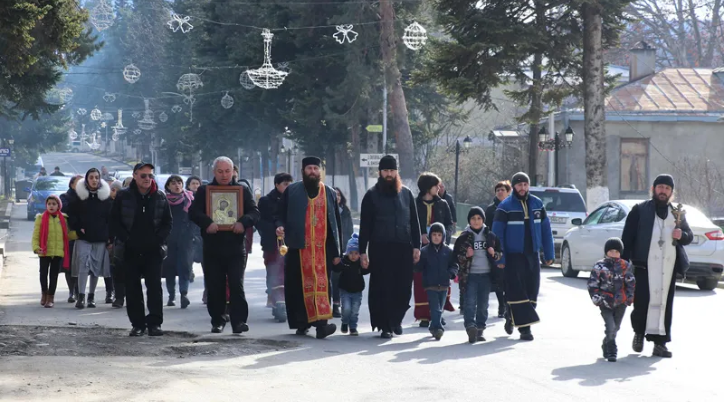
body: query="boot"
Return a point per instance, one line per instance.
(91, 300)
(50, 301)
(437, 334)
(109, 297)
(638, 343)
(526, 334)
(472, 332)
(326, 330)
(120, 296)
(80, 304)
(612, 351)
(480, 335)
(171, 300)
(71, 297)
(184, 301)
(43, 298)
(335, 311)
(508, 326)
(660, 350)
(345, 328)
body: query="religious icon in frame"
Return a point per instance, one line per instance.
(224, 205)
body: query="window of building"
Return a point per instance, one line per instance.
(634, 165)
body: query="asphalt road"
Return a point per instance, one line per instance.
(79, 163)
(562, 364)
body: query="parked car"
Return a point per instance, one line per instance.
(583, 244)
(43, 187)
(563, 205)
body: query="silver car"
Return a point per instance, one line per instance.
(583, 245)
(562, 205)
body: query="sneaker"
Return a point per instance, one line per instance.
(472, 332)
(660, 350)
(326, 330)
(345, 328)
(137, 331)
(302, 332)
(424, 323)
(109, 297)
(508, 326)
(353, 332)
(437, 334)
(638, 343)
(335, 311)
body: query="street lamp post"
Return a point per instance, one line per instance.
(466, 144)
(554, 143)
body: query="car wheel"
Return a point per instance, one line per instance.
(566, 267)
(707, 284)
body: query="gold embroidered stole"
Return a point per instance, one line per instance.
(314, 259)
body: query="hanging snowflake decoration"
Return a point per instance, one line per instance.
(136, 115)
(82, 111)
(118, 128)
(177, 22)
(137, 132)
(147, 123)
(245, 81)
(101, 16)
(163, 117)
(415, 36)
(109, 97)
(59, 96)
(96, 114)
(189, 82)
(176, 108)
(267, 76)
(131, 73)
(345, 33)
(227, 101)
(72, 134)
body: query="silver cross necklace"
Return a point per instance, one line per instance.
(661, 231)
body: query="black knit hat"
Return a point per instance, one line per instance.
(520, 177)
(311, 161)
(477, 210)
(613, 244)
(664, 179)
(388, 162)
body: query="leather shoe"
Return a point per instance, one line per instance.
(326, 330)
(218, 328)
(398, 330)
(386, 335)
(302, 332)
(155, 331)
(137, 332)
(240, 328)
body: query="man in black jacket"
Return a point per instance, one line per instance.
(273, 260)
(140, 223)
(502, 191)
(225, 251)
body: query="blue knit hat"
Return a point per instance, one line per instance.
(353, 244)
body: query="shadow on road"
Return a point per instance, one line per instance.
(601, 371)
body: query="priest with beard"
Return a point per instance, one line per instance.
(308, 220)
(390, 227)
(655, 246)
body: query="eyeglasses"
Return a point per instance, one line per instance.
(144, 176)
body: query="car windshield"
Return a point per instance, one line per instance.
(561, 201)
(59, 184)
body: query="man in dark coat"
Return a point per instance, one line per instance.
(654, 243)
(389, 225)
(502, 191)
(140, 224)
(310, 224)
(225, 252)
(273, 260)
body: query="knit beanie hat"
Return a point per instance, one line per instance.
(353, 244)
(476, 211)
(664, 179)
(613, 244)
(520, 177)
(388, 162)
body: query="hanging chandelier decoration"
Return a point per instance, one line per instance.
(267, 76)
(118, 129)
(147, 123)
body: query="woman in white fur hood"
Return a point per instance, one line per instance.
(90, 216)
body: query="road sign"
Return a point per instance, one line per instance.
(372, 160)
(185, 170)
(374, 128)
(6, 152)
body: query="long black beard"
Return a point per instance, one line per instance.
(311, 184)
(388, 187)
(519, 197)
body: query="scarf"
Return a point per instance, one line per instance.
(185, 197)
(44, 227)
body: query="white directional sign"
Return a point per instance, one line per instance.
(372, 160)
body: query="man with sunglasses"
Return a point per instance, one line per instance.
(140, 223)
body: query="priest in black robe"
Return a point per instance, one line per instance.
(655, 245)
(309, 222)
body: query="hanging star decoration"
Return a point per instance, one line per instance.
(177, 22)
(345, 33)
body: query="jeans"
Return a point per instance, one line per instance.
(612, 318)
(477, 295)
(351, 302)
(436, 299)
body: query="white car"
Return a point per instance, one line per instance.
(583, 244)
(563, 205)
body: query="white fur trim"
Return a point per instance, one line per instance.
(83, 193)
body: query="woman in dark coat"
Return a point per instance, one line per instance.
(347, 231)
(179, 259)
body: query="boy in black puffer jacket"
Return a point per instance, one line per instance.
(438, 266)
(351, 285)
(611, 286)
